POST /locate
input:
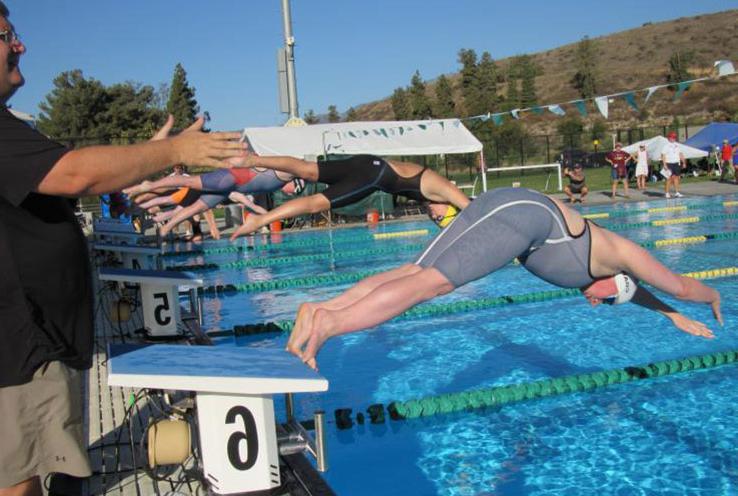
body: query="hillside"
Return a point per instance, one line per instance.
(632, 59)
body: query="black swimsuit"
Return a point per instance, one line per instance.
(354, 178)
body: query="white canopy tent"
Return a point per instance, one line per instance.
(428, 137)
(655, 145)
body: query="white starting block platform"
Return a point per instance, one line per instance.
(235, 410)
(133, 256)
(162, 314)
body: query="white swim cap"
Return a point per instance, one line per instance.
(626, 289)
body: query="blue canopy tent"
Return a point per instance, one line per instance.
(714, 134)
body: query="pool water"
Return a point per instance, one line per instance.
(671, 435)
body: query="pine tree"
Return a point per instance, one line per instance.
(469, 84)
(419, 104)
(585, 79)
(310, 117)
(351, 115)
(486, 82)
(182, 103)
(512, 95)
(401, 105)
(528, 72)
(333, 115)
(444, 104)
(679, 66)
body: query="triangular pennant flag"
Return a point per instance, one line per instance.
(442, 124)
(351, 133)
(650, 93)
(457, 123)
(537, 110)
(724, 68)
(376, 131)
(402, 130)
(497, 119)
(681, 88)
(514, 113)
(485, 117)
(384, 132)
(630, 98)
(556, 109)
(602, 105)
(422, 126)
(366, 133)
(581, 107)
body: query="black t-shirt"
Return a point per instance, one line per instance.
(45, 291)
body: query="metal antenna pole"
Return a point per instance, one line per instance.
(289, 44)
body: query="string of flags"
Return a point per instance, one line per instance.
(722, 68)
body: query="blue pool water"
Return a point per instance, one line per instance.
(673, 435)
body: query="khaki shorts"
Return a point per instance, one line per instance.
(41, 426)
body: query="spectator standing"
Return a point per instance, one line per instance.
(45, 288)
(672, 159)
(619, 159)
(641, 172)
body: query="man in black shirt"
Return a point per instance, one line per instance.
(46, 325)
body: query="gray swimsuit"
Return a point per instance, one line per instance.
(506, 223)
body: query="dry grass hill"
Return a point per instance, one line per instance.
(629, 60)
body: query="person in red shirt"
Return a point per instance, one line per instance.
(726, 159)
(619, 161)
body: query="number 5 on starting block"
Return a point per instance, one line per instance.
(159, 296)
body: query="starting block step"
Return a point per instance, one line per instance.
(151, 277)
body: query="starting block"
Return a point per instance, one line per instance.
(133, 256)
(162, 313)
(115, 231)
(235, 409)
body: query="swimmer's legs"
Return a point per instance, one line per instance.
(305, 205)
(182, 215)
(383, 302)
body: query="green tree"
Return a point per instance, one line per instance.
(512, 95)
(310, 117)
(679, 66)
(401, 105)
(528, 72)
(333, 115)
(182, 103)
(571, 129)
(351, 115)
(487, 77)
(444, 103)
(420, 105)
(598, 130)
(585, 79)
(78, 107)
(469, 84)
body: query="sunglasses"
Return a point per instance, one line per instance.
(9, 36)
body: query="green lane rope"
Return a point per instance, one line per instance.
(437, 309)
(654, 210)
(300, 243)
(503, 395)
(295, 259)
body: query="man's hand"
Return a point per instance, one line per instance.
(691, 326)
(193, 147)
(163, 133)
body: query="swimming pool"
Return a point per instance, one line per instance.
(669, 435)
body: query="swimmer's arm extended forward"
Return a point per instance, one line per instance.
(646, 299)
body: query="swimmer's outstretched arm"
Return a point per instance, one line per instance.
(165, 184)
(629, 257)
(439, 189)
(646, 299)
(295, 166)
(166, 215)
(157, 201)
(305, 205)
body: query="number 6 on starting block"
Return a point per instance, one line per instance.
(235, 410)
(159, 296)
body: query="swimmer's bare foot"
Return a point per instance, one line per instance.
(138, 189)
(319, 333)
(303, 323)
(165, 229)
(250, 225)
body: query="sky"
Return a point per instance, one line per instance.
(348, 52)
